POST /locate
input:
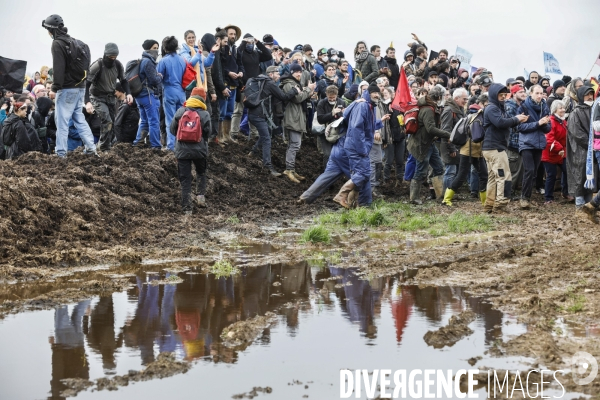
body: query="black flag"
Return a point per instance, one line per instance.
(12, 74)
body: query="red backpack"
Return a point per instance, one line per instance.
(190, 127)
(411, 120)
(189, 76)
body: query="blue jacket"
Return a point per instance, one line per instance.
(511, 111)
(172, 66)
(207, 62)
(496, 122)
(532, 135)
(151, 81)
(361, 126)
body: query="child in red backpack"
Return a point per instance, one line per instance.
(191, 127)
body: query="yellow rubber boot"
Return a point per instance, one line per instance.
(483, 197)
(448, 197)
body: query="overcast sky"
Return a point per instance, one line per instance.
(504, 36)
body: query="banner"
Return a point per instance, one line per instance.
(464, 57)
(404, 98)
(473, 70)
(551, 64)
(12, 74)
(526, 74)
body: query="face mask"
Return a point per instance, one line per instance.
(250, 47)
(153, 53)
(108, 62)
(334, 58)
(589, 103)
(325, 59)
(387, 101)
(375, 101)
(332, 102)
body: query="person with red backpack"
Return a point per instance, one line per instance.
(190, 128)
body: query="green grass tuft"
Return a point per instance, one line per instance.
(223, 268)
(316, 234)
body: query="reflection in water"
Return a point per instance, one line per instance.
(188, 318)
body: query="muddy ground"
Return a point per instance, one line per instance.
(541, 265)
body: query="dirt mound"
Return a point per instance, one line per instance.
(52, 208)
(448, 335)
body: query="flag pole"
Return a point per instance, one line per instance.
(588, 74)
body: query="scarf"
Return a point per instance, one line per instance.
(589, 162)
(361, 56)
(195, 102)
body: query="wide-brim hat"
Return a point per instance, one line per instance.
(238, 31)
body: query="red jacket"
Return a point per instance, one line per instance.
(557, 141)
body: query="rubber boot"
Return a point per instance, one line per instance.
(448, 197)
(219, 139)
(290, 174)
(415, 192)
(483, 197)
(142, 141)
(590, 210)
(438, 186)
(342, 197)
(298, 176)
(227, 132)
(353, 199)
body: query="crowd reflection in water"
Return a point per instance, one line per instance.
(188, 318)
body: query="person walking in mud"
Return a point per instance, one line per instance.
(100, 92)
(190, 152)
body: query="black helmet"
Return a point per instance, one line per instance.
(52, 22)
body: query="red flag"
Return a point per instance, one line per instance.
(404, 98)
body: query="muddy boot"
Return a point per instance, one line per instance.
(590, 211)
(298, 176)
(448, 197)
(524, 204)
(290, 174)
(353, 199)
(142, 141)
(342, 197)
(227, 133)
(415, 192)
(274, 172)
(221, 137)
(438, 186)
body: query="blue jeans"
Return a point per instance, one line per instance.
(474, 179)
(449, 175)
(551, 170)
(264, 138)
(149, 119)
(173, 100)
(431, 158)
(69, 105)
(227, 106)
(409, 169)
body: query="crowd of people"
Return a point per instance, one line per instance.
(225, 86)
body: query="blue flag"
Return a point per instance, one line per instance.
(551, 64)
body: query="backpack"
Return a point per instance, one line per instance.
(190, 127)
(132, 74)
(460, 132)
(411, 120)
(79, 58)
(189, 76)
(335, 130)
(477, 132)
(252, 94)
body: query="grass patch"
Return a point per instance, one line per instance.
(577, 300)
(233, 220)
(223, 268)
(316, 234)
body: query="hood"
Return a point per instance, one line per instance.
(473, 108)
(185, 48)
(454, 107)
(581, 93)
(461, 70)
(149, 56)
(11, 119)
(406, 53)
(208, 41)
(495, 88)
(287, 77)
(390, 60)
(43, 105)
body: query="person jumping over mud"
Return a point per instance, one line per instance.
(190, 127)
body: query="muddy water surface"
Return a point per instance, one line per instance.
(328, 319)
